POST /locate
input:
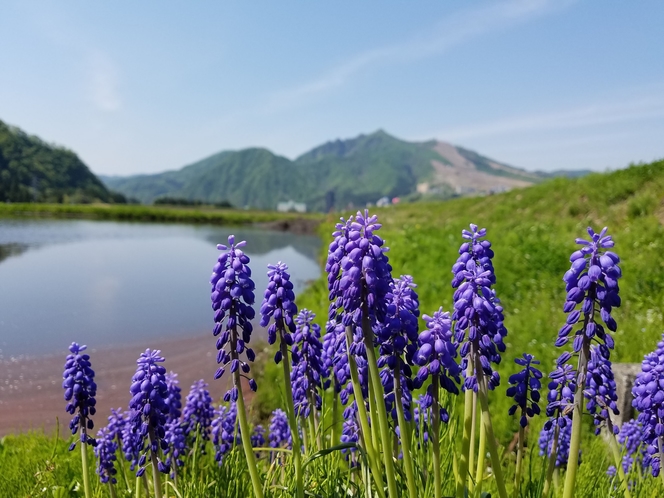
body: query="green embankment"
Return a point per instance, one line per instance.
(134, 212)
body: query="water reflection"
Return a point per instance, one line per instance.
(109, 283)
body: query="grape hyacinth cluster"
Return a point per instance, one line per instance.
(225, 434)
(80, 391)
(198, 411)
(524, 388)
(478, 315)
(174, 398)
(592, 282)
(148, 408)
(280, 434)
(308, 374)
(437, 358)
(177, 445)
(630, 438)
(546, 439)
(561, 392)
(279, 305)
(232, 300)
(648, 392)
(105, 450)
(601, 388)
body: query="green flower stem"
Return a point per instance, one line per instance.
(575, 442)
(481, 454)
(84, 457)
(405, 433)
(377, 388)
(467, 430)
(519, 458)
(111, 490)
(138, 488)
(245, 435)
(335, 417)
(146, 486)
(613, 444)
(471, 452)
(552, 462)
(375, 436)
(435, 438)
(362, 415)
(491, 439)
(156, 478)
(290, 410)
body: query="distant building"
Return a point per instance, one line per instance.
(383, 201)
(298, 207)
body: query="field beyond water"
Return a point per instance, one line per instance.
(532, 233)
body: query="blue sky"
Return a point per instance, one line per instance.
(140, 87)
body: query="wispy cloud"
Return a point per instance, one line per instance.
(451, 31)
(103, 79)
(589, 116)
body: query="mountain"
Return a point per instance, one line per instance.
(33, 171)
(337, 174)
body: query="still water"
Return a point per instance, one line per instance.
(109, 283)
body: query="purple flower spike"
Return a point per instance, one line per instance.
(280, 433)
(437, 358)
(630, 438)
(174, 398)
(80, 391)
(225, 431)
(561, 394)
(177, 445)
(307, 377)
(279, 306)
(232, 301)
(600, 388)
(105, 452)
(478, 315)
(546, 438)
(648, 392)
(149, 410)
(592, 283)
(198, 411)
(524, 388)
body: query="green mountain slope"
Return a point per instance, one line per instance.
(532, 231)
(32, 170)
(336, 174)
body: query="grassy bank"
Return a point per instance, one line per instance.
(131, 212)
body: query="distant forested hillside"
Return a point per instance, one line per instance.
(33, 171)
(337, 174)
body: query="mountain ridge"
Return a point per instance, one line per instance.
(334, 175)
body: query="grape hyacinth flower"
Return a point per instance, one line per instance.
(601, 389)
(198, 411)
(149, 412)
(174, 398)
(359, 278)
(524, 388)
(308, 368)
(592, 293)
(232, 300)
(177, 445)
(547, 438)
(478, 325)
(279, 308)
(258, 437)
(105, 452)
(80, 391)
(630, 438)
(350, 432)
(225, 435)
(132, 442)
(280, 433)
(648, 392)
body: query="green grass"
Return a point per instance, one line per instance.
(533, 232)
(151, 213)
